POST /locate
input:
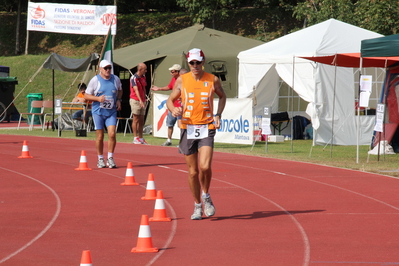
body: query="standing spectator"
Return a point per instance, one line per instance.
(198, 127)
(170, 120)
(137, 102)
(80, 98)
(105, 91)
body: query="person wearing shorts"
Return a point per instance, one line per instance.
(198, 127)
(175, 71)
(105, 91)
(137, 102)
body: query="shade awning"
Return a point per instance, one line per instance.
(383, 46)
(353, 60)
(59, 62)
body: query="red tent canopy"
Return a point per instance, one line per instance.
(353, 60)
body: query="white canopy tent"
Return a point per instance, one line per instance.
(263, 65)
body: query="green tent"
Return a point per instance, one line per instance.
(220, 48)
(380, 47)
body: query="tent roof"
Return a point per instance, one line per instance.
(214, 44)
(325, 38)
(383, 46)
(59, 62)
(353, 60)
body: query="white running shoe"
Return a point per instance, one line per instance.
(143, 141)
(197, 215)
(209, 209)
(136, 140)
(167, 143)
(101, 163)
(111, 163)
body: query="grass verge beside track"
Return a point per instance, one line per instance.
(296, 150)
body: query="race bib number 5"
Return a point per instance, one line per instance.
(197, 131)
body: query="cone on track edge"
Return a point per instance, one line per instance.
(150, 193)
(144, 241)
(83, 162)
(159, 210)
(25, 151)
(129, 177)
(86, 258)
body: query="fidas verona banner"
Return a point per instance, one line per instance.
(236, 125)
(74, 19)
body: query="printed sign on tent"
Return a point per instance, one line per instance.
(365, 90)
(379, 118)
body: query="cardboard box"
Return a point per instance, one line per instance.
(275, 138)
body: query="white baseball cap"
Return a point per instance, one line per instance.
(105, 63)
(175, 67)
(195, 54)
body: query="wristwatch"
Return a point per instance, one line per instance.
(219, 115)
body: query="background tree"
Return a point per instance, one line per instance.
(381, 16)
(202, 10)
(316, 11)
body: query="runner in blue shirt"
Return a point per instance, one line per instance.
(105, 91)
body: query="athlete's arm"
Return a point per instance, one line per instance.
(222, 100)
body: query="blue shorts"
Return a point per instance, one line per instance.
(101, 120)
(170, 120)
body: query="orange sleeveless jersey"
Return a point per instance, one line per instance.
(197, 100)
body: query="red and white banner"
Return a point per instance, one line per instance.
(74, 19)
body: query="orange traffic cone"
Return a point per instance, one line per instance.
(86, 258)
(144, 241)
(129, 177)
(83, 162)
(150, 193)
(159, 210)
(25, 151)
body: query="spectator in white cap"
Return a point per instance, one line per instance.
(105, 91)
(198, 127)
(170, 120)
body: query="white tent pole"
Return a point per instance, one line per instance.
(333, 111)
(253, 113)
(314, 130)
(292, 104)
(358, 112)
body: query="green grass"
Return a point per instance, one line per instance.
(296, 150)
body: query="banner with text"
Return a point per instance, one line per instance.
(74, 19)
(236, 124)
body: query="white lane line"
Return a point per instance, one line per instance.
(171, 235)
(305, 238)
(52, 221)
(323, 183)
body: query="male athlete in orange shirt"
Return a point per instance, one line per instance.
(198, 126)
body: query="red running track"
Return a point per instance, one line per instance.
(269, 212)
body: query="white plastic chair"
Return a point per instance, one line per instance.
(46, 105)
(127, 123)
(34, 104)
